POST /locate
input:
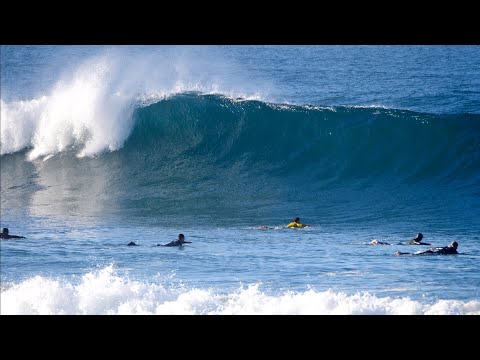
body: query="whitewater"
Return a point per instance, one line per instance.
(101, 146)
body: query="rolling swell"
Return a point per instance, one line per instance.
(213, 157)
(343, 143)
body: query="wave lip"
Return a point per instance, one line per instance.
(105, 292)
(80, 112)
(89, 109)
(18, 124)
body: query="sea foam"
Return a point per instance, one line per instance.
(106, 292)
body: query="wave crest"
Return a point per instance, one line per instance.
(105, 292)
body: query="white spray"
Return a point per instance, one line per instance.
(90, 109)
(105, 292)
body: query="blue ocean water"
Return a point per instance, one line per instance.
(105, 145)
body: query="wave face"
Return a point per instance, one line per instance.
(339, 142)
(211, 154)
(335, 142)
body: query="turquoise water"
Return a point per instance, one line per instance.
(104, 145)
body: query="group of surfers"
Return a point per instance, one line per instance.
(417, 240)
(179, 242)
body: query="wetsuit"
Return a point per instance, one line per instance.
(376, 242)
(415, 242)
(177, 243)
(4, 236)
(445, 250)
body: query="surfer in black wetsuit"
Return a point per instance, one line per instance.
(376, 242)
(417, 240)
(179, 242)
(444, 250)
(5, 235)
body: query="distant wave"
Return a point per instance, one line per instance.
(105, 292)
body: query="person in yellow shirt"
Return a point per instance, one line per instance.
(296, 224)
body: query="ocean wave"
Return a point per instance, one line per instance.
(337, 142)
(105, 292)
(205, 150)
(90, 106)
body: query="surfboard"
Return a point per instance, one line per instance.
(265, 227)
